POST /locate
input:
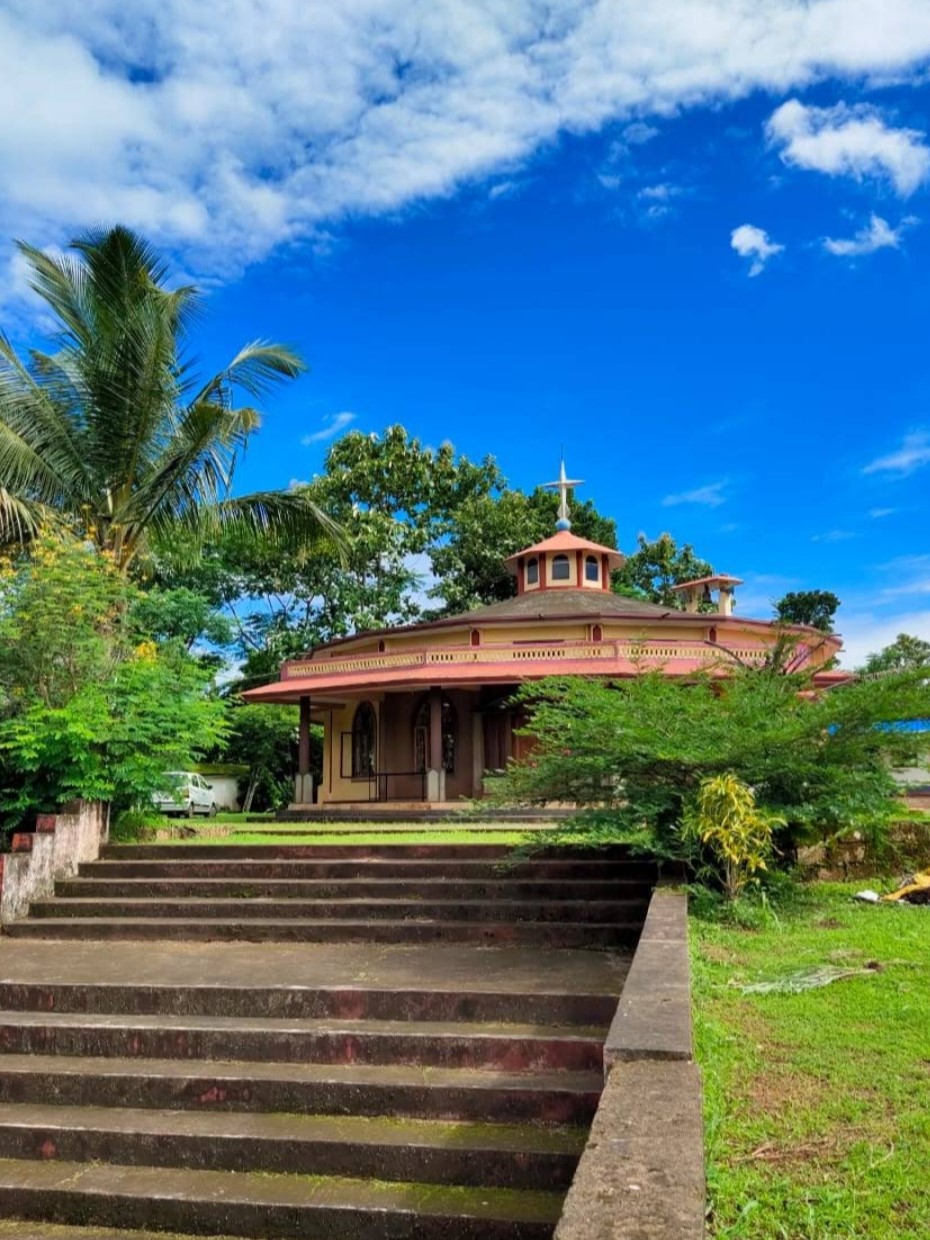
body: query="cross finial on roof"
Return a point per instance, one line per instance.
(563, 486)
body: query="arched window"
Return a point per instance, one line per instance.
(422, 758)
(592, 570)
(475, 637)
(364, 734)
(597, 633)
(560, 568)
(532, 571)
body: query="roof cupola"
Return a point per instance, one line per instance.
(564, 561)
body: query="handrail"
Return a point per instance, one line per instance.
(635, 652)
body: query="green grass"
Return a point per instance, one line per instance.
(817, 1105)
(360, 836)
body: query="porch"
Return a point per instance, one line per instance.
(406, 751)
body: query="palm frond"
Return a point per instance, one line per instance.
(285, 518)
(256, 369)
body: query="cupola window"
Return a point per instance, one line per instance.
(560, 568)
(532, 571)
(592, 570)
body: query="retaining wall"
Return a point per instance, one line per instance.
(641, 1176)
(36, 861)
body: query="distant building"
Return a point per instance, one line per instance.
(418, 713)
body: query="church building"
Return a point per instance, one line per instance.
(416, 715)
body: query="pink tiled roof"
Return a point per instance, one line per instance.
(566, 541)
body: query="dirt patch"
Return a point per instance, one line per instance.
(811, 1153)
(773, 1092)
(717, 954)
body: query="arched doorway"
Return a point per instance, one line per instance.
(422, 755)
(364, 741)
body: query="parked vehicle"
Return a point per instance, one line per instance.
(185, 792)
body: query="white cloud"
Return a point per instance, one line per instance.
(661, 193)
(833, 536)
(849, 141)
(332, 426)
(755, 244)
(877, 513)
(227, 129)
(638, 133)
(711, 496)
(913, 454)
(877, 235)
(865, 632)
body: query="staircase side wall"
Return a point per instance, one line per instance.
(641, 1176)
(61, 842)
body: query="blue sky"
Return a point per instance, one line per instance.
(687, 241)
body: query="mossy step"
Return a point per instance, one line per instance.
(411, 907)
(22, 1229)
(502, 1155)
(542, 934)
(310, 1088)
(271, 1207)
(429, 1043)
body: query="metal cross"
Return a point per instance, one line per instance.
(563, 486)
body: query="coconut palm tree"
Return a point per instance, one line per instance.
(113, 429)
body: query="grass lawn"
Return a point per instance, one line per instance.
(817, 1105)
(359, 835)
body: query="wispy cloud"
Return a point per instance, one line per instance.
(710, 495)
(877, 235)
(877, 513)
(139, 113)
(755, 244)
(833, 536)
(913, 454)
(849, 140)
(332, 426)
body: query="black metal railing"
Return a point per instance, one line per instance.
(381, 785)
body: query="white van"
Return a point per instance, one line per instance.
(185, 792)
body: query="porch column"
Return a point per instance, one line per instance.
(436, 776)
(477, 752)
(303, 784)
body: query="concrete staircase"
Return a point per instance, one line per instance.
(392, 893)
(367, 1088)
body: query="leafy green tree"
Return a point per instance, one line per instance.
(904, 652)
(90, 705)
(114, 429)
(636, 752)
(815, 608)
(655, 567)
(469, 565)
(265, 739)
(394, 501)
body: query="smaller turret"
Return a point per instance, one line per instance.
(700, 592)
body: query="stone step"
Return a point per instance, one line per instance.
(307, 1088)
(275, 1207)
(338, 827)
(401, 869)
(577, 912)
(496, 1155)
(552, 934)
(350, 1002)
(481, 1045)
(21, 1229)
(353, 852)
(356, 888)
